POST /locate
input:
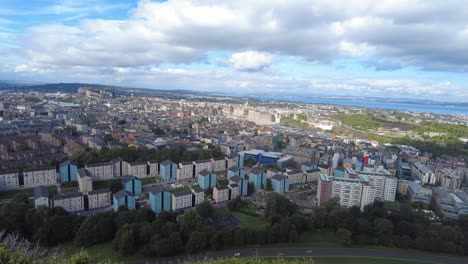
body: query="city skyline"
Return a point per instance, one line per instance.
(392, 49)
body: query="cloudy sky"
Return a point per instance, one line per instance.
(386, 48)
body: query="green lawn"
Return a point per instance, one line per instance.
(69, 189)
(97, 185)
(27, 192)
(361, 260)
(149, 180)
(248, 221)
(102, 251)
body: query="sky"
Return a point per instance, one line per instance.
(402, 49)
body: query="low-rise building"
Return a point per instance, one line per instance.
(417, 193)
(450, 178)
(41, 196)
(451, 204)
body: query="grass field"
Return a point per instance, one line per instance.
(349, 260)
(248, 220)
(149, 180)
(69, 189)
(27, 192)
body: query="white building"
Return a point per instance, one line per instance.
(233, 191)
(450, 178)
(181, 200)
(9, 181)
(85, 181)
(295, 176)
(153, 168)
(101, 172)
(384, 183)
(219, 164)
(422, 173)
(33, 178)
(99, 199)
(41, 196)
(139, 169)
(198, 194)
(185, 171)
(71, 202)
(202, 165)
(221, 194)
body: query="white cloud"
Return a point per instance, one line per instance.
(250, 60)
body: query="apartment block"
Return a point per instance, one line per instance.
(417, 193)
(68, 171)
(181, 200)
(221, 194)
(258, 178)
(101, 172)
(295, 177)
(139, 169)
(198, 195)
(85, 180)
(185, 171)
(33, 178)
(9, 181)
(219, 164)
(71, 202)
(120, 167)
(168, 170)
(422, 173)
(200, 165)
(450, 178)
(383, 183)
(206, 179)
(124, 198)
(132, 184)
(99, 199)
(160, 199)
(280, 183)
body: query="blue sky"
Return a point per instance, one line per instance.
(391, 48)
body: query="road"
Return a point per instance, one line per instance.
(315, 252)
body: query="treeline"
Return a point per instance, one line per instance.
(453, 149)
(131, 154)
(403, 228)
(453, 130)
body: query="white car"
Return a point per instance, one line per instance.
(309, 251)
(236, 254)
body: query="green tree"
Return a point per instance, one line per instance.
(196, 242)
(344, 236)
(205, 209)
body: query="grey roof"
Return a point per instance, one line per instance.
(203, 161)
(67, 195)
(256, 171)
(278, 177)
(204, 172)
(234, 168)
(82, 172)
(196, 188)
(166, 162)
(235, 178)
(105, 190)
(41, 191)
(156, 189)
(221, 187)
(307, 163)
(122, 193)
(68, 162)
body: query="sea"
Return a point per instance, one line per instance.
(446, 108)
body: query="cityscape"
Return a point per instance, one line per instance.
(148, 149)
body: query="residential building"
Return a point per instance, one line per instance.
(68, 171)
(160, 199)
(221, 194)
(185, 170)
(403, 171)
(450, 178)
(323, 194)
(305, 166)
(206, 179)
(139, 169)
(258, 177)
(41, 196)
(33, 178)
(198, 195)
(265, 157)
(181, 199)
(383, 183)
(168, 170)
(71, 202)
(124, 198)
(120, 167)
(85, 181)
(280, 183)
(295, 177)
(99, 199)
(9, 181)
(312, 175)
(153, 168)
(132, 184)
(200, 165)
(233, 191)
(218, 164)
(101, 171)
(422, 173)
